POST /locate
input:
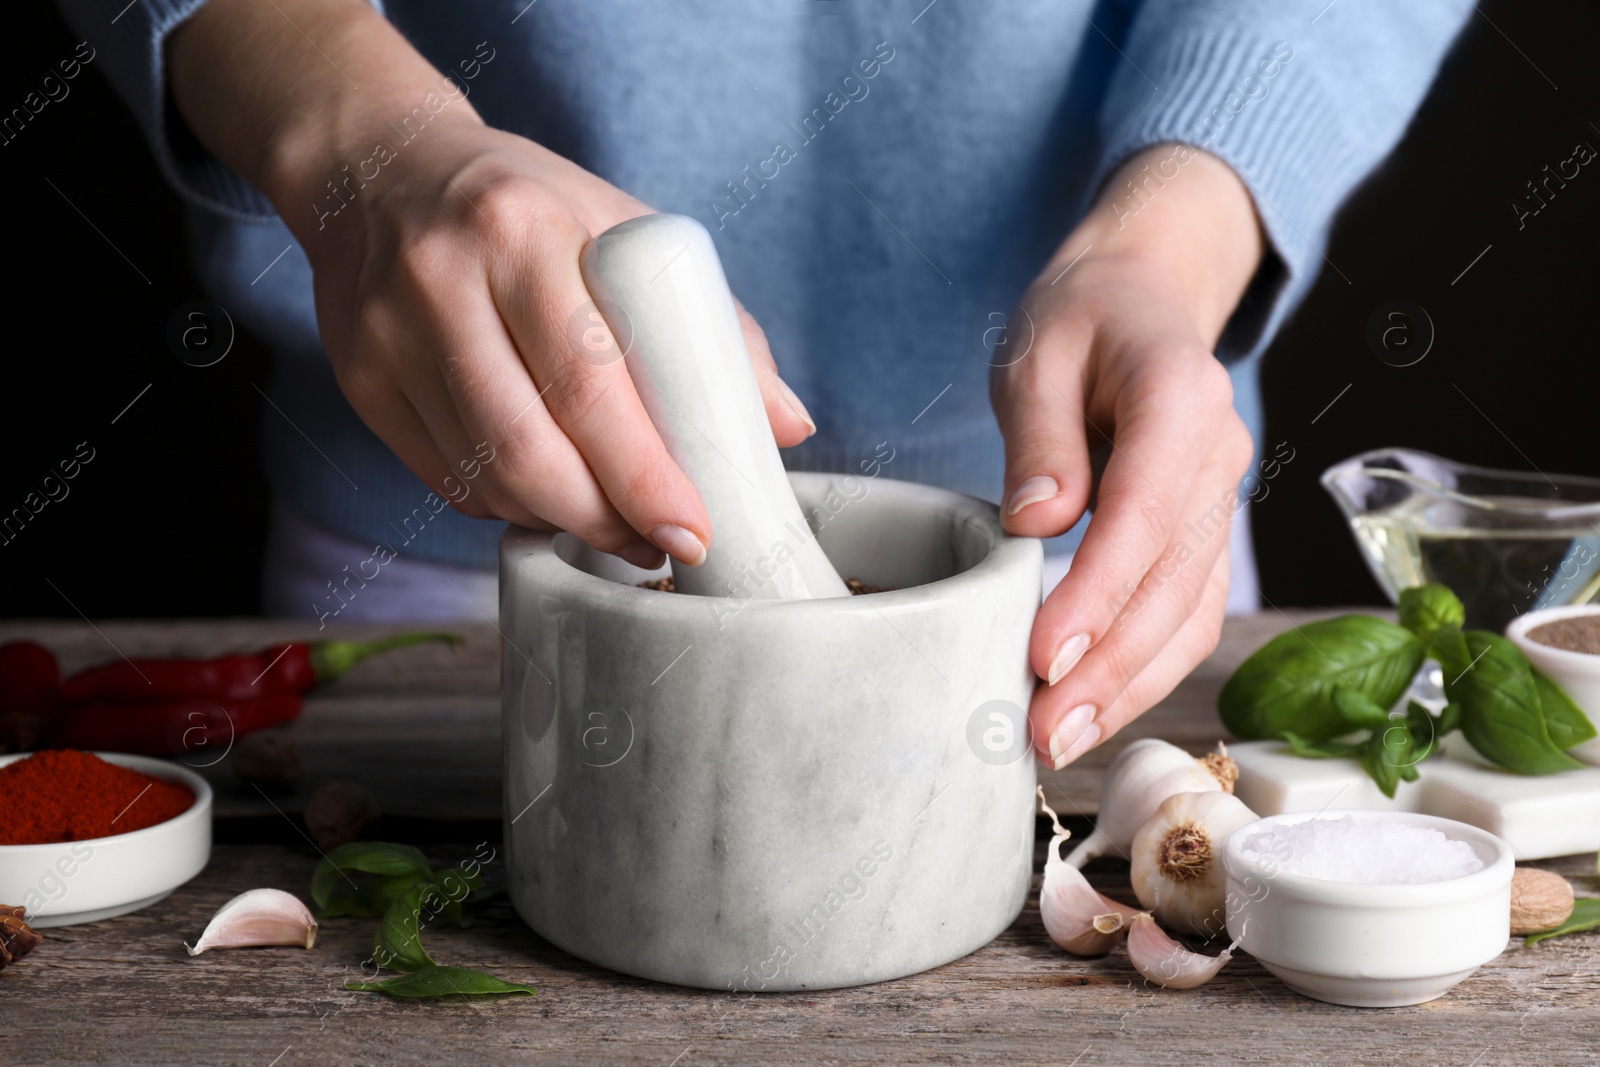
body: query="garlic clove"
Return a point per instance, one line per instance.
(1077, 918)
(1165, 962)
(258, 917)
(1177, 859)
(1142, 775)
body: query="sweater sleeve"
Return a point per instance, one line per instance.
(130, 45)
(1302, 100)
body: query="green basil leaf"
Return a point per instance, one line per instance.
(441, 982)
(379, 857)
(1449, 720)
(1425, 733)
(1563, 719)
(1322, 749)
(344, 903)
(398, 942)
(1359, 711)
(1500, 711)
(1449, 647)
(456, 884)
(336, 877)
(1288, 684)
(1385, 756)
(383, 892)
(1427, 609)
(1585, 916)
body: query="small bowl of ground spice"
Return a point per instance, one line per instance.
(1564, 643)
(87, 836)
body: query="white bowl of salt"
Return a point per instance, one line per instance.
(1373, 909)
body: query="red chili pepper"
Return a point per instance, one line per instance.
(174, 728)
(29, 678)
(291, 668)
(30, 691)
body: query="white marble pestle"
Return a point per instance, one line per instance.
(658, 282)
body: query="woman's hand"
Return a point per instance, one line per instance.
(448, 292)
(1120, 365)
(452, 308)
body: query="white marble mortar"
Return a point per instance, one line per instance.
(775, 794)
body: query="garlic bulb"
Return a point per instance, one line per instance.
(1077, 918)
(1221, 766)
(1177, 859)
(1144, 774)
(1167, 963)
(258, 917)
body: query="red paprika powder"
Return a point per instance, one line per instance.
(67, 795)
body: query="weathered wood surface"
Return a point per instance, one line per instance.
(123, 991)
(431, 713)
(420, 729)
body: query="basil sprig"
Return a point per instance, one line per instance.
(1502, 713)
(1320, 685)
(396, 882)
(442, 982)
(364, 878)
(1292, 683)
(1585, 916)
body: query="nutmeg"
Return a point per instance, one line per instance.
(339, 813)
(1540, 901)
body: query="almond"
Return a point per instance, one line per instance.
(1540, 901)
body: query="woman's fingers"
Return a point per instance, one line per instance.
(1161, 511)
(1076, 712)
(532, 474)
(1039, 403)
(791, 422)
(589, 394)
(1167, 426)
(1192, 643)
(389, 414)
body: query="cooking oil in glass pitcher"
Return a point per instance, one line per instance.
(1505, 542)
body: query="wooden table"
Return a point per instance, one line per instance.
(420, 731)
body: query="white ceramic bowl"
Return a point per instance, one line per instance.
(1365, 945)
(84, 881)
(1576, 672)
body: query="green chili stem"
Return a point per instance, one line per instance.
(330, 659)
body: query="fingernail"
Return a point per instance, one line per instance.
(1031, 491)
(678, 543)
(1073, 736)
(1067, 657)
(641, 554)
(795, 405)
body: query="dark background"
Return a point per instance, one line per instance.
(168, 518)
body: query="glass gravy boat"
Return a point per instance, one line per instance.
(1506, 542)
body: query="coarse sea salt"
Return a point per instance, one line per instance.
(1350, 849)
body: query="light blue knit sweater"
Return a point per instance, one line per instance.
(883, 179)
